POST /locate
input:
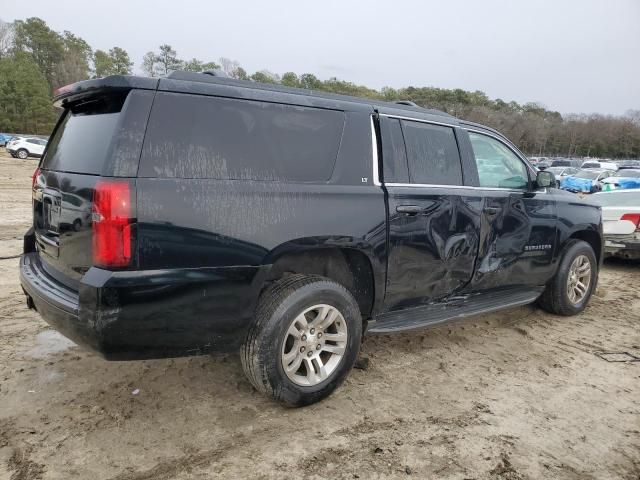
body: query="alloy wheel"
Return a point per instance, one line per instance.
(579, 279)
(314, 345)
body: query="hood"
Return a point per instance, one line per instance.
(577, 184)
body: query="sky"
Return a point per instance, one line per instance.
(573, 56)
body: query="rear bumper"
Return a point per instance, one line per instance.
(147, 314)
(623, 246)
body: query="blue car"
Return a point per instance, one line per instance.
(4, 139)
(585, 181)
(623, 179)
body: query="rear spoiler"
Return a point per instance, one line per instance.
(79, 91)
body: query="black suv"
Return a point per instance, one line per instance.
(195, 213)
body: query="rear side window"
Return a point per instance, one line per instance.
(81, 142)
(208, 137)
(432, 154)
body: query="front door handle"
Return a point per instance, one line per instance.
(410, 209)
(491, 211)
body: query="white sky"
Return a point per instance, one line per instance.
(570, 55)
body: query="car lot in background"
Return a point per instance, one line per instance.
(585, 181)
(25, 147)
(625, 178)
(562, 172)
(621, 222)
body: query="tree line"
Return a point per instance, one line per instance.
(35, 60)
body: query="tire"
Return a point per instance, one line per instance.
(22, 154)
(269, 341)
(555, 299)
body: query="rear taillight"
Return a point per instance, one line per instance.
(112, 223)
(632, 217)
(34, 178)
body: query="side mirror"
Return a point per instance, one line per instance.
(545, 179)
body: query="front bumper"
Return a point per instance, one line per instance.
(131, 315)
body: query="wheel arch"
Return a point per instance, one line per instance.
(352, 267)
(593, 238)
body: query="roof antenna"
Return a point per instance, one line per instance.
(216, 72)
(407, 102)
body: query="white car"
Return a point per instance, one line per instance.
(24, 147)
(599, 164)
(620, 222)
(561, 172)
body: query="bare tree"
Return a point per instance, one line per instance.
(228, 66)
(6, 38)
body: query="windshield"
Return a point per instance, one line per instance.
(618, 199)
(556, 170)
(591, 165)
(591, 175)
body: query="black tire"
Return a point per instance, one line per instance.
(277, 307)
(555, 298)
(22, 154)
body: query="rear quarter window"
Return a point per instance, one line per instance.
(192, 136)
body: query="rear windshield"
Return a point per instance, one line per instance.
(618, 199)
(81, 142)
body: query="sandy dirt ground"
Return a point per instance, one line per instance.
(515, 395)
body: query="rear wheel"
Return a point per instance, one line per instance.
(571, 288)
(22, 154)
(304, 340)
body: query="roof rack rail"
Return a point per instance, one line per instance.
(408, 103)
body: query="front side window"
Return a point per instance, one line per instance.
(432, 154)
(498, 166)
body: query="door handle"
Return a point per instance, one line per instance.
(491, 211)
(410, 209)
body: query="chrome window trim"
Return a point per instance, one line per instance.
(374, 147)
(463, 187)
(376, 179)
(412, 119)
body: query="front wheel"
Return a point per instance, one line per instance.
(304, 341)
(570, 290)
(22, 154)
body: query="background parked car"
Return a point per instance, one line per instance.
(599, 164)
(585, 181)
(567, 162)
(4, 139)
(561, 172)
(621, 222)
(24, 147)
(625, 178)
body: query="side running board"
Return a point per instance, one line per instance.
(452, 309)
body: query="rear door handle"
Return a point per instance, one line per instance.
(410, 209)
(491, 211)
